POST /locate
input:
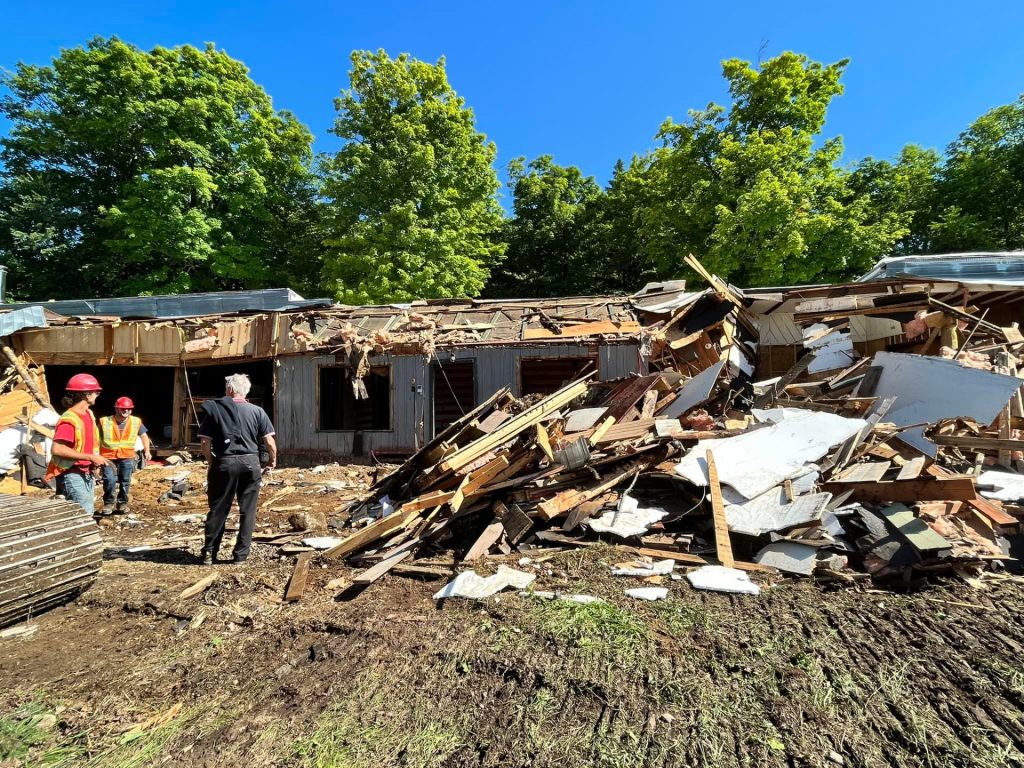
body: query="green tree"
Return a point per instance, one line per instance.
(982, 185)
(131, 172)
(751, 190)
(546, 234)
(411, 208)
(905, 191)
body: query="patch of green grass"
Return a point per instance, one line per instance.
(600, 628)
(681, 620)
(370, 728)
(26, 739)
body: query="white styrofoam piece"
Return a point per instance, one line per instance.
(648, 593)
(928, 389)
(660, 568)
(473, 587)
(760, 459)
(321, 542)
(1001, 486)
(46, 418)
(718, 578)
(789, 556)
(630, 519)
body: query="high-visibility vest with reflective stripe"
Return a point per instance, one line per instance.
(118, 442)
(59, 465)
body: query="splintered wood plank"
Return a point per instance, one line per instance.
(370, 575)
(427, 500)
(628, 394)
(485, 541)
(514, 426)
(600, 431)
(371, 533)
(297, 582)
(722, 543)
(515, 522)
(199, 586)
(649, 404)
(911, 469)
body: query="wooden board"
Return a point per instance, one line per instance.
(627, 328)
(370, 575)
(371, 533)
(979, 443)
(909, 491)
(199, 586)
(297, 582)
(691, 559)
(911, 469)
(485, 541)
(868, 472)
(723, 545)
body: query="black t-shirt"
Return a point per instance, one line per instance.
(253, 426)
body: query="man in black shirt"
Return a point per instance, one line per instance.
(230, 435)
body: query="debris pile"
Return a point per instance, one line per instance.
(852, 464)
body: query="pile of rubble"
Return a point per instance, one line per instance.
(883, 466)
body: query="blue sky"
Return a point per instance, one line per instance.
(586, 82)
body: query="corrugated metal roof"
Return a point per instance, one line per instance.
(996, 268)
(183, 305)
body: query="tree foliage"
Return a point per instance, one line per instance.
(751, 190)
(412, 211)
(131, 172)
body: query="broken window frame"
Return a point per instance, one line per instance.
(347, 384)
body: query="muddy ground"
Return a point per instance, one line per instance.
(803, 675)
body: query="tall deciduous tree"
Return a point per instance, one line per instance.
(750, 189)
(132, 172)
(412, 210)
(546, 234)
(982, 185)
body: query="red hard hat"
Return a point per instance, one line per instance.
(83, 382)
(124, 402)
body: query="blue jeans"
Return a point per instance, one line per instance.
(117, 472)
(79, 488)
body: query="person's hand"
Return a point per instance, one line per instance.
(99, 461)
(147, 455)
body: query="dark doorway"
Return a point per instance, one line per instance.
(150, 387)
(454, 388)
(546, 375)
(207, 382)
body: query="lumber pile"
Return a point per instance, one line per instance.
(846, 466)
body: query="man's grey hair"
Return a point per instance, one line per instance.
(237, 384)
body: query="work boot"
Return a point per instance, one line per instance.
(208, 558)
(106, 511)
(121, 510)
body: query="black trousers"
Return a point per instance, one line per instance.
(231, 477)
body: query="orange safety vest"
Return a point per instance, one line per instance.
(59, 465)
(119, 442)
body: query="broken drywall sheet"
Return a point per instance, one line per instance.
(1001, 486)
(648, 593)
(929, 389)
(473, 587)
(789, 556)
(630, 519)
(660, 568)
(694, 392)
(831, 350)
(757, 461)
(773, 511)
(718, 578)
(583, 418)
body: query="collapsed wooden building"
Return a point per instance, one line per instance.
(342, 381)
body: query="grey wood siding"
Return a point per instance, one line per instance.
(297, 409)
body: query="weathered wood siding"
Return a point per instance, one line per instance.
(296, 398)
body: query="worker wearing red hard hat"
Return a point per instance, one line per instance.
(118, 435)
(76, 443)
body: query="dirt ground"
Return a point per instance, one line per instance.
(802, 675)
